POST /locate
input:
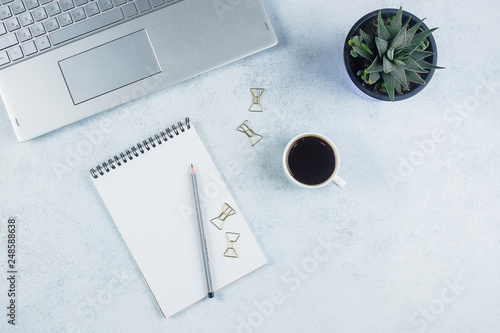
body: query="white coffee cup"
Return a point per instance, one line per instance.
(334, 178)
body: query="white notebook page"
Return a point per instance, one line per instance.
(151, 202)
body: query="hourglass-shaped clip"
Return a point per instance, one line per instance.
(219, 220)
(232, 237)
(254, 137)
(256, 94)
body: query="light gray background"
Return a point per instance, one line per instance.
(412, 240)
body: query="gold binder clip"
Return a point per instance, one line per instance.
(232, 237)
(226, 212)
(256, 94)
(254, 137)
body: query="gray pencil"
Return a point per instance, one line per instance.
(204, 248)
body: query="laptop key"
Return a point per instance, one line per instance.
(2, 29)
(29, 48)
(51, 24)
(65, 19)
(39, 14)
(143, 5)
(24, 35)
(81, 2)
(67, 5)
(31, 4)
(157, 3)
(26, 19)
(129, 9)
(5, 13)
(78, 14)
(91, 24)
(4, 2)
(119, 2)
(13, 24)
(17, 7)
(44, 2)
(4, 58)
(105, 5)
(91, 9)
(8, 41)
(37, 30)
(53, 9)
(42, 43)
(15, 53)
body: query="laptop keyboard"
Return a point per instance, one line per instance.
(31, 27)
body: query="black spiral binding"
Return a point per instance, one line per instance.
(139, 149)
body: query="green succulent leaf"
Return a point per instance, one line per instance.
(390, 54)
(374, 77)
(421, 36)
(360, 48)
(426, 65)
(399, 63)
(408, 20)
(354, 54)
(397, 86)
(410, 33)
(389, 66)
(382, 31)
(389, 81)
(376, 66)
(382, 46)
(414, 77)
(364, 76)
(418, 55)
(368, 39)
(402, 57)
(411, 65)
(407, 50)
(399, 39)
(395, 25)
(425, 43)
(400, 76)
(367, 49)
(362, 52)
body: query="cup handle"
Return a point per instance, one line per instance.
(338, 181)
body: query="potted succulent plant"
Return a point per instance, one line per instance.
(387, 59)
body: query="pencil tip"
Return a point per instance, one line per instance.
(191, 170)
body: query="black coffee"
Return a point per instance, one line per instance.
(311, 160)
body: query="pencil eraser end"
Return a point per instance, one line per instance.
(211, 295)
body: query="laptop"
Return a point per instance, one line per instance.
(63, 61)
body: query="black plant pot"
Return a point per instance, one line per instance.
(357, 82)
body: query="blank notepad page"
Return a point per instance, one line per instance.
(151, 202)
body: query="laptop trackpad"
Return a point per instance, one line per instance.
(110, 66)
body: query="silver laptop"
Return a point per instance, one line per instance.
(62, 61)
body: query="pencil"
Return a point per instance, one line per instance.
(204, 248)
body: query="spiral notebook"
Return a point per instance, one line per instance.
(147, 192)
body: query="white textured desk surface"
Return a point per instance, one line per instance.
(411, 242)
